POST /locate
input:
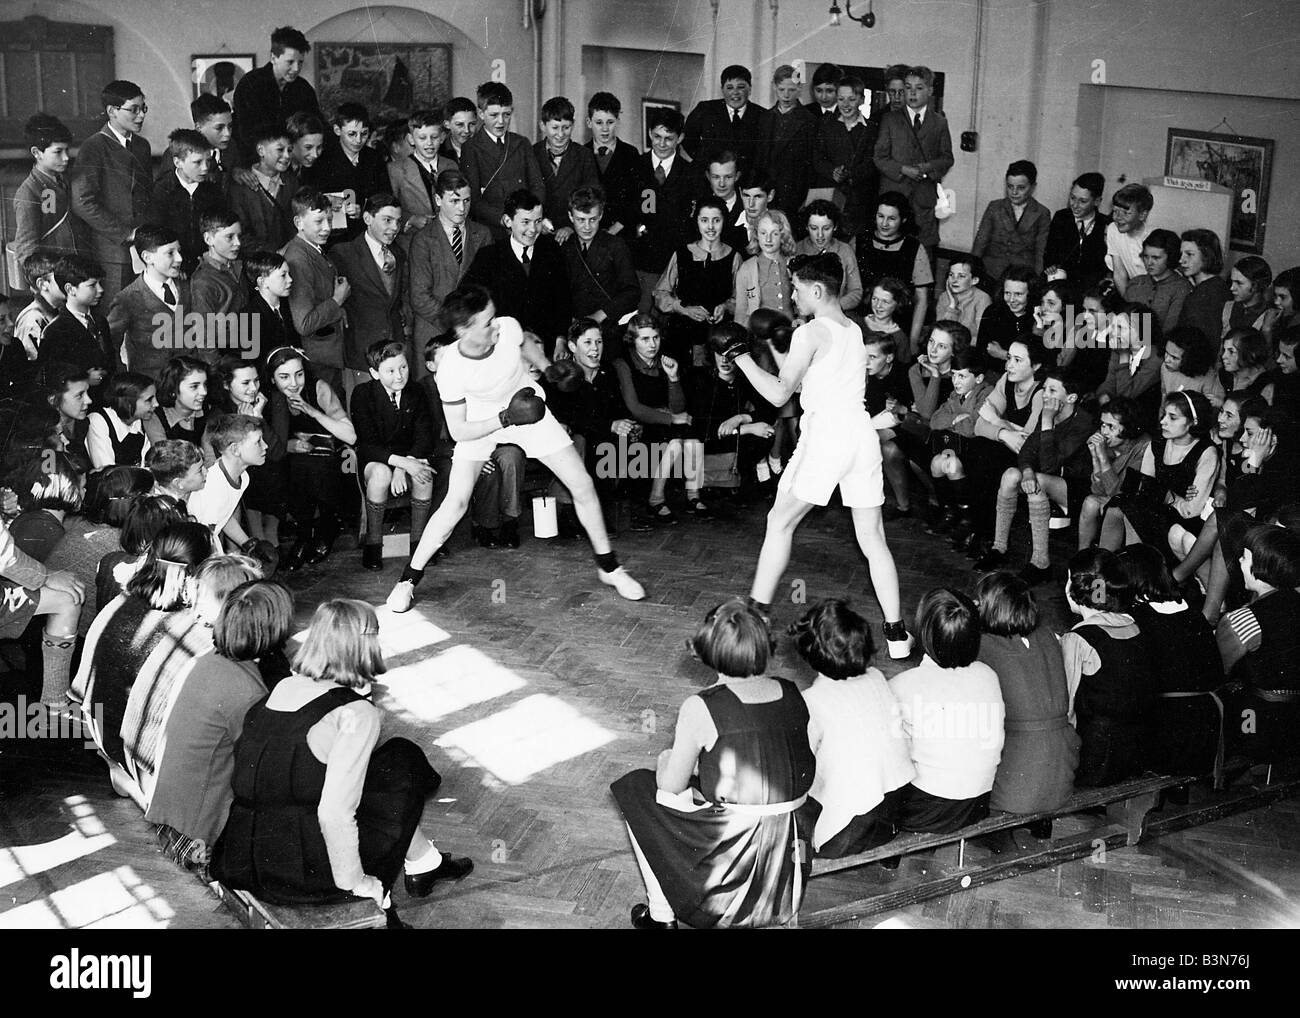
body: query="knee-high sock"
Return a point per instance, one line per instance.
(1040, 517)
(374, 522)
(421, 509)
(1006, 513)
(56, 655)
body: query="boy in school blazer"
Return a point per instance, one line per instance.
(434, 270)
(914, 159)
(378, 308)
(112, 182)
(319, 292)
(496, 161)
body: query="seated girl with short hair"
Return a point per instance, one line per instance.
(321, 811)
(115, 435)
(1108, 672)
(164, 673)
(714, 826)
(182, 396)
(953, 713)
(1041, 750)
(145, 516)
(192, 793)
(854, 728)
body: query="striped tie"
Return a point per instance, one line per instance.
(457, 244)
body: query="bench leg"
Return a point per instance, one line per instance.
(1131, 814)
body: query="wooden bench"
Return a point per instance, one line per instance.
(260, 915)
(1127, 821)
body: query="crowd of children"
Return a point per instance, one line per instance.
(319, 304)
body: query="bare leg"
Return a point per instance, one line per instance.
(667, 455)
(1090, 520)
(1114, 527)
(784, 516)
(869, 526)
(1201, 551)
(461, 483)
(567, 466)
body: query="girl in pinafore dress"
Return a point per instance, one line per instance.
(714, 827)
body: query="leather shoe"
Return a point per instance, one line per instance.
(990, 560)
(486, 537)
(1034, 575)
(372, 556)
(451, 868)
(641, 919)
(509, 533)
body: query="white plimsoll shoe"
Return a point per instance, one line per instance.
(402, 597)
(900, 650)
(622, 581)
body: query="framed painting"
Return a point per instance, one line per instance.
(1243, 165)
(218, 73)
(648, 104)
(390, 79)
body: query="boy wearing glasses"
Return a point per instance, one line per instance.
(112, 183)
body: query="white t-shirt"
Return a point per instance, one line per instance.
(1126, 249)
(214, 503)
(955, 719)
(485, 385)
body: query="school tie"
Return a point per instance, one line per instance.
(527, 262)
(458, 244)
(393, 397)
(169, 295)
(660, 175)
(602, 158)
(388, 267)
(1083, 232)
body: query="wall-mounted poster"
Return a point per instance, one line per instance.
(1243, 165)
(218, 73)
(648, 104)
(390, 79)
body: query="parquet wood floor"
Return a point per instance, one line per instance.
(531, 686)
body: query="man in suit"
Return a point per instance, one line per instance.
(437, 267)
(378, 308)
(732, 122)
(414, 178)
(319, 291)
(1076, 238)
(602, 278)
(395, 439)
(498, 162)
(273, 93)
(914, 152)
(565, 166)
(159, 290)
(525, 273)
(615, 162)
(666, 185)
(112, 182)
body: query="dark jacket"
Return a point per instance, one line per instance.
(619, 180)
(374, 311)
(538, 298)
(661, 221)
(174, 207)
(602, 279)
(577, 169)
(1084, 263)
(259, 100)
(493, 173)
(334, 173)
(383, 430)
(710, 129)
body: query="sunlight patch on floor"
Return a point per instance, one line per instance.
(526, 738)
(445, 683)
(87, 837)
(117, 899)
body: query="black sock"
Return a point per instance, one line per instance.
(607, 562)
(763, 607)
(409, 572)
(961, 491)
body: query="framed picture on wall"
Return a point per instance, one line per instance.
(388, 78)
(648, 104)
(218, 73)
(1244, 165)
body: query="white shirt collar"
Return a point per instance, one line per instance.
(376, 249)
(518, 249)
(430, 168)
(121, 138)
(912, 114)
(156, 287)
(189, 188)
(733, 113)
(667, 164)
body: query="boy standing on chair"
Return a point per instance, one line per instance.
(490, 398)
(838, 447)
(394, 442)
